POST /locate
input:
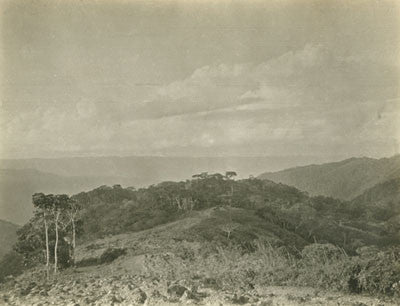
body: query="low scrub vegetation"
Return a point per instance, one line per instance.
(321, 266)
(108, 256)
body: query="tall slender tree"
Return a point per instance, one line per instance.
(43, 203)
(229, 175)
(72, 210)
(59, 205)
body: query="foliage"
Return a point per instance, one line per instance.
(114, 210)
(321, 266)
(31, 242)
(49, 229)
(111, 254)
(379, 271)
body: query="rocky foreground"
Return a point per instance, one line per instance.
(76, 288)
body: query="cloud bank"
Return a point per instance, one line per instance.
(306, 99)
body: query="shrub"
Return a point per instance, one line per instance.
(91, 261)
(379, 272)
(325, 266)
(111, 254)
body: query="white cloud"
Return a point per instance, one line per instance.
(299, 98)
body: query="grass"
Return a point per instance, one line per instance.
(322, 266)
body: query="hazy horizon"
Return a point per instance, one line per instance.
(326, 157)
(199, 78)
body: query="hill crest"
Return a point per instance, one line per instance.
(344, 180)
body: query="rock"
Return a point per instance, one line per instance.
(176, 291)
(116, 299)
(138, 296)
(266, 303)
(192, 295)
(240, 299)
(210, 283)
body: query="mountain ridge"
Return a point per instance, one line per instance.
(344, 179)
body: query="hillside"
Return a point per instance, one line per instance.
(283, 214)
(381, 202)
(8, 236)
(209, 239)
(175, 264)
(381, 194)
(344, 180)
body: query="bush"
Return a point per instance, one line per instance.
(110, 255)
(325, 266)
(322, 266)
(379, 272)
(91, 261)
(372, 271)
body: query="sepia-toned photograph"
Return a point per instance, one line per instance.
(200, 152)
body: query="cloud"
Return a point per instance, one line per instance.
(310, 77)
(215, 87)
(309, 99)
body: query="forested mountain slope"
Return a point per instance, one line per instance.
(345, 180)
(381, 202)
(301, 219)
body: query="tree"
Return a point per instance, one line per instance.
(202, 175)
(230, 174)
(31, 243)
(43, 204)
(72, 209)
(59, 205)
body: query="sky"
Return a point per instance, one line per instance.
(199, 78)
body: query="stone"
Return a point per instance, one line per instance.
(176, 291)
(138, 296)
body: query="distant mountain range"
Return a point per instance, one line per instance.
(344, 180)
(18, 185)
(20, 178)
(8, 236)
(145, 170)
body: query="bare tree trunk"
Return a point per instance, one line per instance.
(46, 228)
(56, 244)
(73, 242)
